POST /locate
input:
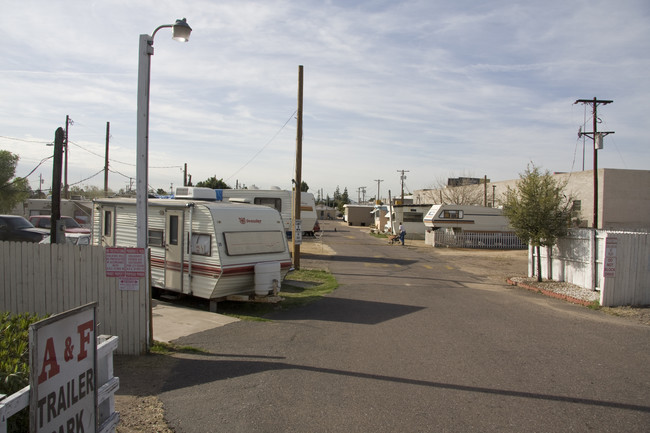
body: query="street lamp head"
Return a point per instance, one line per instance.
(181, 31)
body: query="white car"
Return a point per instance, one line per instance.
(72, 238)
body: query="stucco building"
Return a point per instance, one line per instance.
(623, 197)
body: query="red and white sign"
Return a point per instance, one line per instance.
(63, 350)
(125, 262)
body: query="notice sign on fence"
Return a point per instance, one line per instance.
(127, 264)
(62, 352)
(610, 257)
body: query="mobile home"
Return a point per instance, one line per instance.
(207, 249)
(469, 226)
(411, 216)
(79, 209)
(466, 218)
(278, 199)
(359, 215)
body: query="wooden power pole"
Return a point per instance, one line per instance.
(108, 135)
(56, 183)
(296, 226)
(597, 138)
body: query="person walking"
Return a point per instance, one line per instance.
(402, 233)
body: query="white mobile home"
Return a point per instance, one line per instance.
(278, 199)
(469, 227)
(411, 216)
(206, 249)
(466, 218)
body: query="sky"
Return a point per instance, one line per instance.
(435, 88)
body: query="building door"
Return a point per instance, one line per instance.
(108, 226)
(174, 248)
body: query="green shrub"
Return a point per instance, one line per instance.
(14, 361)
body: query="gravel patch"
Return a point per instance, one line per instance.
(563, 290)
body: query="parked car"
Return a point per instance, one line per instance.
(45, 222)
(72, 238)
(18, 229)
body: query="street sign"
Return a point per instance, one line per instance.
(63, 351)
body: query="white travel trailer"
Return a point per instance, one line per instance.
(469, 227)
(466, 218)
(279, 199)
(208, 249)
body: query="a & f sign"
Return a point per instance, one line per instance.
(63, 352)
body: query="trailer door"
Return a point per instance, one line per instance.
(108, 226)
(174, 223)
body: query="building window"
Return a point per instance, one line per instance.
(577, 206)
(413, 217)
(156, 238)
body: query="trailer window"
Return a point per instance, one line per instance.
(413, 217)
(156, 238)
(173, 230)
(200, 244)
(108, 221)
(275, 203)
(242, 243)
(453, 214)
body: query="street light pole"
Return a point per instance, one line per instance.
(181, 32)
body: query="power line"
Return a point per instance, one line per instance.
(263, 147)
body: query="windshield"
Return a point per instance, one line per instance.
(19, 223)
(71, 223)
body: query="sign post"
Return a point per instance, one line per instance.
(63, 365)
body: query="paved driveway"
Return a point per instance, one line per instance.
(412, 343)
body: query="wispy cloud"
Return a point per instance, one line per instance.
(438, 88)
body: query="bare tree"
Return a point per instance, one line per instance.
(464, 191)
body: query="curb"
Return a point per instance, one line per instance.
(549, 293)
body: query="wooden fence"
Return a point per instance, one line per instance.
(51, 278)
(616, 263)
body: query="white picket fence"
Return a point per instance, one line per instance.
(50, 278)
(107, 384)
(616, 263)
(476, 240)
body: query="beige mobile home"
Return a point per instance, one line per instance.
(206, 249)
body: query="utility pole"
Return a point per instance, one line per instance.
(597, 138)
(297, 230)
(59, 137)
(361, 190)
(379, 181)
(402, 177)
(108, 135)
(66, 148)
(185, 174)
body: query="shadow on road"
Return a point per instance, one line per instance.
(193, 372)
(348, 311)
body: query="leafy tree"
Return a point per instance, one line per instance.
(538, 210)
(13, 191)
(213, 183)
(303, 186)
(89, 192)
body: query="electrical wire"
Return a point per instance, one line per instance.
(263, 147)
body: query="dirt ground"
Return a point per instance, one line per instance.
(141, 378)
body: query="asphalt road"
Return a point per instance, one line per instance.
(412, 343)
